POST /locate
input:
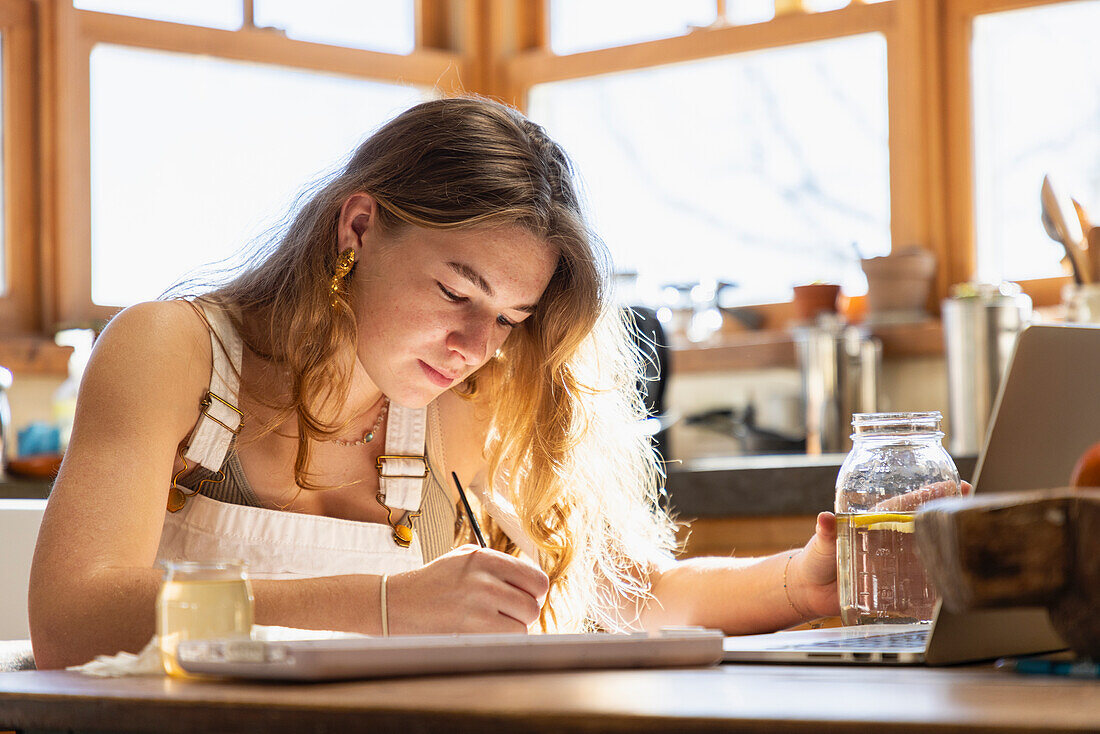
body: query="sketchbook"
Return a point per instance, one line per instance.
(380, 657)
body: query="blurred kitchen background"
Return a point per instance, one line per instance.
(815, 207)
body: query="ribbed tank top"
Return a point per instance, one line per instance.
(438, 525)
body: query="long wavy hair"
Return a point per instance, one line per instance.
(563, 445)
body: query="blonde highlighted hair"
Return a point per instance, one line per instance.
(564, 445)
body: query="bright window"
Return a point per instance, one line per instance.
(768, 169)
(743, 12)
(224, 14)
(378, 25)
(194, 157)
(584, 25)
(1036, 103)
(821, 6)
(750, 11)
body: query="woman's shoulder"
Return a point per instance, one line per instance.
(168, 337)
(148, 371)
(151, 325)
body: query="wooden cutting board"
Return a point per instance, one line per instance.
(1019, 549)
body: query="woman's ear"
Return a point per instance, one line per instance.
(358, 216)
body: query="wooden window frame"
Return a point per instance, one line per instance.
(497, 48)
(18, 311)
(958, 23)
(917, 202)
(76, 32)
(930, 122)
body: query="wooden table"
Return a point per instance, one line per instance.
(729, 698)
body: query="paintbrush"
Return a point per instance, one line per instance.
(469, 512)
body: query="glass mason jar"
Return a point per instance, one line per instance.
(200, 600)
(897, 463)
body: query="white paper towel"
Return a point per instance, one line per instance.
(148, 661)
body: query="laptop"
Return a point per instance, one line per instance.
(1041, 424)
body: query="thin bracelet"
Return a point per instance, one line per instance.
(786, 589)
(385, 611)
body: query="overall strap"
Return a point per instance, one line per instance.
(404, 466)
(220, 419)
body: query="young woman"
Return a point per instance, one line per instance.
(439, 306)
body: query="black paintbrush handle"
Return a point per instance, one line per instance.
(469, 512)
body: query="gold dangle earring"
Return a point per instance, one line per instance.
(343, 267)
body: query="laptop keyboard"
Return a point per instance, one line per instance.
(913, 640)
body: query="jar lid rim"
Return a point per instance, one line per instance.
(883, 418)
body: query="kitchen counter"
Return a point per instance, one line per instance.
(23, 488)
(792, 484)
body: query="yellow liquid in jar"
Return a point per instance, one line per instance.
(195, 610)
(879, 575)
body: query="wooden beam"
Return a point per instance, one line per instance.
(980, 7)
(497, 31)
(48, 100)
(424, 67)
(71, 209)
(933, 78)
(19, 294)
(16, 12)
(957, 30)
(532, 26)
(433, 25)
(917, 187)
(536, 67)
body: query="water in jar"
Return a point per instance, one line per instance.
(880, 577)
(198, 607)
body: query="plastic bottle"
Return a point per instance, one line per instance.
(64, 397)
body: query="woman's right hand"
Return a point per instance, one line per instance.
(469, 589)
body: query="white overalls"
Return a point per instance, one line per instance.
(279, 544)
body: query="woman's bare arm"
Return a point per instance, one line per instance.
(747, 595)
(92, 581)
(93, 584)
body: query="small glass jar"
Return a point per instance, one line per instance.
(1082, 303)
(897, 463)
(201, 600)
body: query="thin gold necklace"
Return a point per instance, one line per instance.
(369, 436)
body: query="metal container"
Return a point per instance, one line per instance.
(840, 366)
(980, 326)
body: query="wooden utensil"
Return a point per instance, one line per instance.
(1094, 252)
(1082, 216)
(1064, 227)
(1092, 256)
(1069, 260)
(1019, 549)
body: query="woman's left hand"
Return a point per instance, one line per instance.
(811, 575)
